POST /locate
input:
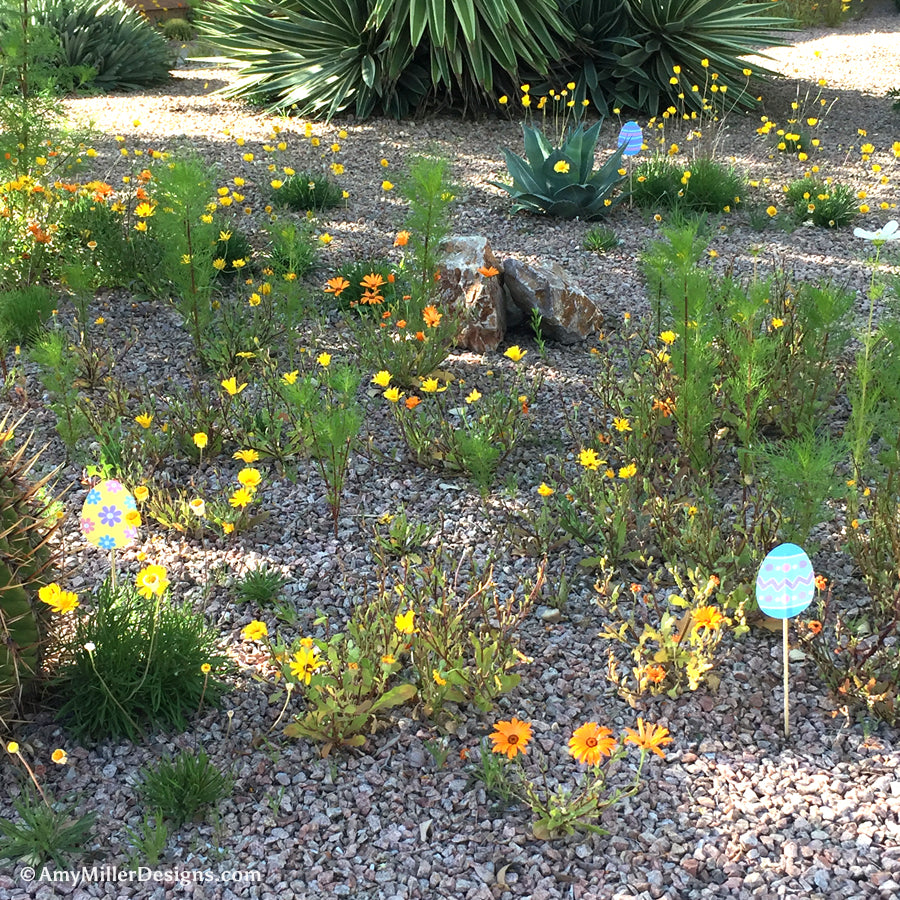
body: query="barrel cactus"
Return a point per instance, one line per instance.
(26, 560)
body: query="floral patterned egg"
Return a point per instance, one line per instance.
(786, 583)
(109, 517)
(631, 138)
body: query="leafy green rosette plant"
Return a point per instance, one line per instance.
(561, 180)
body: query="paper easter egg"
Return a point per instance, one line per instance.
(109, 517)
(786, 582)
(631, 138)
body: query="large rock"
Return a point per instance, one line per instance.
(567, 313)
(463, 287)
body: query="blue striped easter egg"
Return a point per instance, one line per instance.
(786, 583)
(631, 138)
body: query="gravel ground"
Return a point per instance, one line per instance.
(735, 810)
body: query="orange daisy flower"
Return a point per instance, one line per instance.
(431, 317)
(373, 281)
(590, 743)
(815, 626)
(336, 286)
(648, 737)
(655, 673)
(511, 737)
(707, 617)
(412, 402)
(488, 271)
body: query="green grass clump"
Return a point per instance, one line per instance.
(180, 788)
(825, 205)
(600, 239)
(23, 312)
(136, 664)
(261, 586)
(704, 185)
(307, 190)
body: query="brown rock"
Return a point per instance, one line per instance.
(463, 287)
(567, 313)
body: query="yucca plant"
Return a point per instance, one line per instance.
(124, 51)
(685, 33)
(385, 56)
(25, 562)
(321, 57)
(561, 181)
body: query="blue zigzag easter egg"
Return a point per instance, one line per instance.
(631, 138)
(786, 583)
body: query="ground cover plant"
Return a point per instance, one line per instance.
(380, 591)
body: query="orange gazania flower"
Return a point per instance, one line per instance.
(336, 286)
(648, 737)
(511, 737)
(666, 407)
(402, 239)
(590, 743)
(815, 626)
(401, 323)
(821, 582)
(412, 402)
(373, 298)
(488, 271)
(707, 617)
(420, 335)
(431, 317)
(655, 673)
(373, 281)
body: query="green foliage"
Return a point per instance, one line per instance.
(292, 247)
(179, 788)
(561, 181)
(107, 38)
(23, 313)
(463, 430)
(260, 586)
(600, 239)
(803, 474)
(183, 188)
(45, 833)
(428, 333)
(150, 843)
(825, 205)
(144, 670)
(25, 564)
(308, 191)
(674, 644)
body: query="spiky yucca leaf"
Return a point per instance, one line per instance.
(25, 564)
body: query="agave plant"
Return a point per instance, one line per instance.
(561, 181)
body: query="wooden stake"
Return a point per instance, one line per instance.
(784, 632)
(112, 568)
